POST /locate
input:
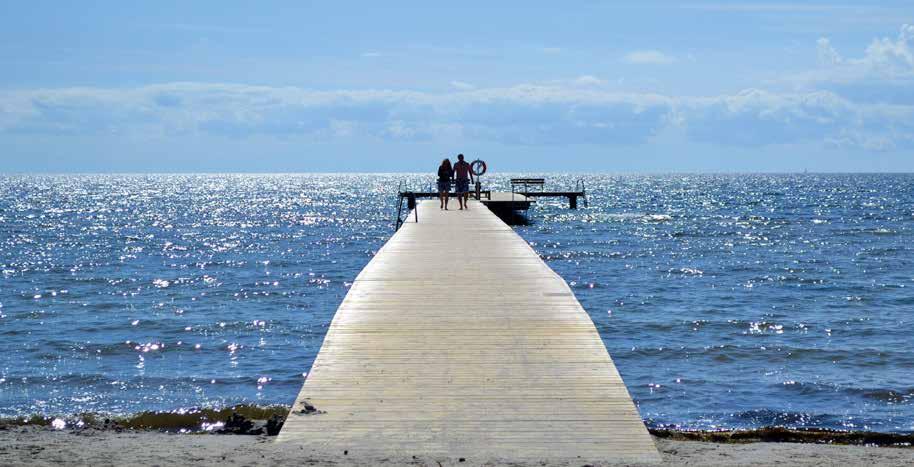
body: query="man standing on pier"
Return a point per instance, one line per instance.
(462, 178)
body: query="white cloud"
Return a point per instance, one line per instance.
(588, 80)
(756, 118)
(371, 54)
(828, 56)
(884, 60)
(892, 56)
(462, 86)
(524, 114)
(767, 7)
(648, 57)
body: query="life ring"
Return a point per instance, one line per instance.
(478, 167)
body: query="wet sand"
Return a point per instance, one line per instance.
(44, 446)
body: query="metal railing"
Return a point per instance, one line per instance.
(410, 204)
(583, 190)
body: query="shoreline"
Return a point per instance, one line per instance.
(251, 420)
(44, 445)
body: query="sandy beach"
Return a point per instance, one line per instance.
(43, 446)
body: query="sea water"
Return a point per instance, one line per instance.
(726, 301)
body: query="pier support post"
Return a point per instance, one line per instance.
(573, 202)
(411, 204)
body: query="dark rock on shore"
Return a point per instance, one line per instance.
(238, 424)
(274, 424)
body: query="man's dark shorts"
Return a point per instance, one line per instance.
(462, 185)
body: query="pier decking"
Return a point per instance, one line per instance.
(458, 341)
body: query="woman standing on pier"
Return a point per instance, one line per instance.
(445, 173)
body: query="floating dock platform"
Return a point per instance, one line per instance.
(503, 204)
(458, 342)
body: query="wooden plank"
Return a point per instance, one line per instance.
(457, 340)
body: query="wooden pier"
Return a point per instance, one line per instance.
(458, 341)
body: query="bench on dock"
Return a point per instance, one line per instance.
(526, 183)
(522, 186)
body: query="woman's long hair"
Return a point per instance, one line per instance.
(446, 163)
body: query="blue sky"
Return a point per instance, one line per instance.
(394, 86)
